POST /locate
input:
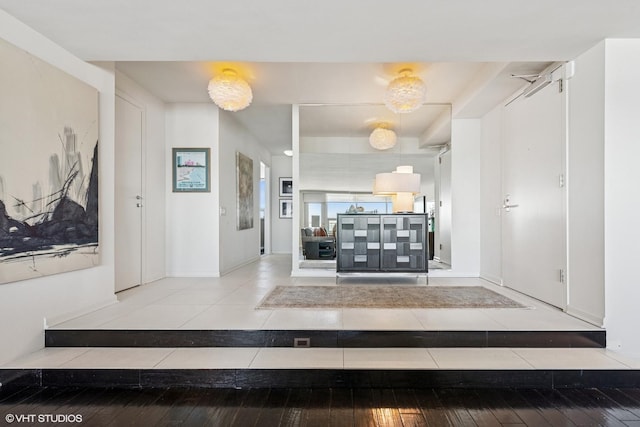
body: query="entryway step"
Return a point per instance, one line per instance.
(321, 338)
(324, 367)
(319, 378)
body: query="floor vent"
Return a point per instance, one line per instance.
(302, 342)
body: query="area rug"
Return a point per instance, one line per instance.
(385, 296)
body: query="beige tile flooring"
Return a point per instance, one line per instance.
(229, 302)
(326, 358)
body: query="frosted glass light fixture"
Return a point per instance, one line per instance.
(406, 93)
(229, 91)
(402, 185)
(382, 138)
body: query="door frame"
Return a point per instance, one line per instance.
(142, 168)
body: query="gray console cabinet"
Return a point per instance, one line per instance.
(382, 243)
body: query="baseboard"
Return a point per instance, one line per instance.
(583, 315)
(153, 279)
(55, 320)
(191, 274)
(438, 259)
(451, 273)
(493, 279)
(239, 266)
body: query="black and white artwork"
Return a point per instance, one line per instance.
(286, 208)
(244, 191)
(48, 169)
(286, 187)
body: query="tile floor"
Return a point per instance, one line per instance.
(326, 358)
(228, 303)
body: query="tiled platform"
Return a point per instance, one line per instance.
(228, 303)
(207, 332)
(326, 358)
(324, 367)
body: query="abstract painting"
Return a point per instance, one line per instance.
(48, 169)
(244, 191)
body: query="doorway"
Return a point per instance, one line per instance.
(265, 229)
(128, 194)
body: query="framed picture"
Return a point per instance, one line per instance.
(244, 191)
(286, 187)
(191, 170)
(286, 208)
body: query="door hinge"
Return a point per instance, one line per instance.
(561, 180)
(440, 203)
(562, 276)
(440, 160)
(560, 85)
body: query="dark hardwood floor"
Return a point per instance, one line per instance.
(320, 407)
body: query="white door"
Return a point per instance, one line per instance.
(533, 214)
(128, 195)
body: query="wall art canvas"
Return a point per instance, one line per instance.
(244, 191)
(48, 169)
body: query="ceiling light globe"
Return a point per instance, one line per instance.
(230, 92)
(405, 94)
(382, 139)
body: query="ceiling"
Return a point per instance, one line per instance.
(384, 31)
(329, 52)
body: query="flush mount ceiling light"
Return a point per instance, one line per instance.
(229, 91)
(382, 138)
(405, 93)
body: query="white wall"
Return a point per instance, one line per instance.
(491, 197)
(25, 306)
(466, 136)
(281, 228)
(193, 227)
(622, 204)
(585, 184)
(153, 176)
(238, 247)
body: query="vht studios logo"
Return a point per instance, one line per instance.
(43, 418)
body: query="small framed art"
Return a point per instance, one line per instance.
(191, 170)
(286, 208)
(286, 187)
